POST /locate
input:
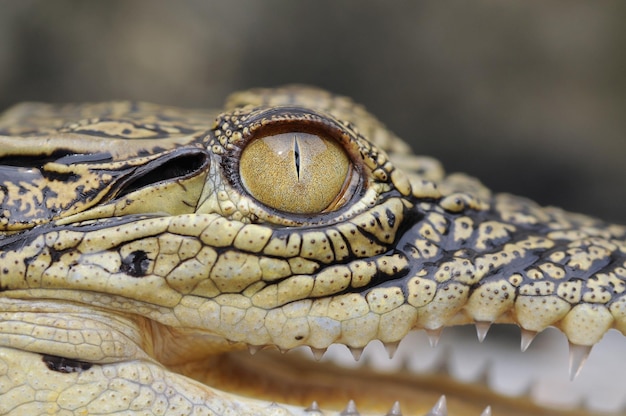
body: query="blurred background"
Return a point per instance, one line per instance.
(528, 96)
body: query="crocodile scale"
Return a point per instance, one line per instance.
(144, 248)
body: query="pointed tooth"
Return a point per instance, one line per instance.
(440, 408)
(486, 412)
(482, 327)
(405, 363)
(527, 338)
(577, 356)
(313, 408)
(395, 410)
(434, 335)
(253, 349)
(350, 410)
(356, 353)
(318, 353)
(391, 348)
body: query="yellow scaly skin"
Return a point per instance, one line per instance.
(137, 261)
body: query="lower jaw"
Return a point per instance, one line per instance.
(375, 383)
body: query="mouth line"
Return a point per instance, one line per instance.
(539, 374)
(471, 374)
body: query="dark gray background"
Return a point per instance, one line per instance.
(528, 96)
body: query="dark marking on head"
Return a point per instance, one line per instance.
(391, 218)
(65, 365)
(136, 264)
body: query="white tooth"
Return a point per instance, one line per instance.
(527, 338)
(395, 410)
(253, 349)
(350, 410)
(313, 408)
(440, 409)
(391, 348)
(577, 356)
(318, 353)
(482, 327)
(356, 352)
(486, 412)
(434, 335)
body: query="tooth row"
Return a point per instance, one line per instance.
(439, 409)
(578, 353)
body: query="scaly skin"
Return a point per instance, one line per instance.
(136, 261)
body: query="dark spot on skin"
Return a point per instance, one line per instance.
(391, 218)
(298, 337)
(65, 365)
(136, 264)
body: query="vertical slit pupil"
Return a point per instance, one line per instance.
(296, 153)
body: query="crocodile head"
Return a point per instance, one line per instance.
(145, 249)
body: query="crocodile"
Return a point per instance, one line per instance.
(157, 260)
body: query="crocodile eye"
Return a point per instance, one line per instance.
(296, 172)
